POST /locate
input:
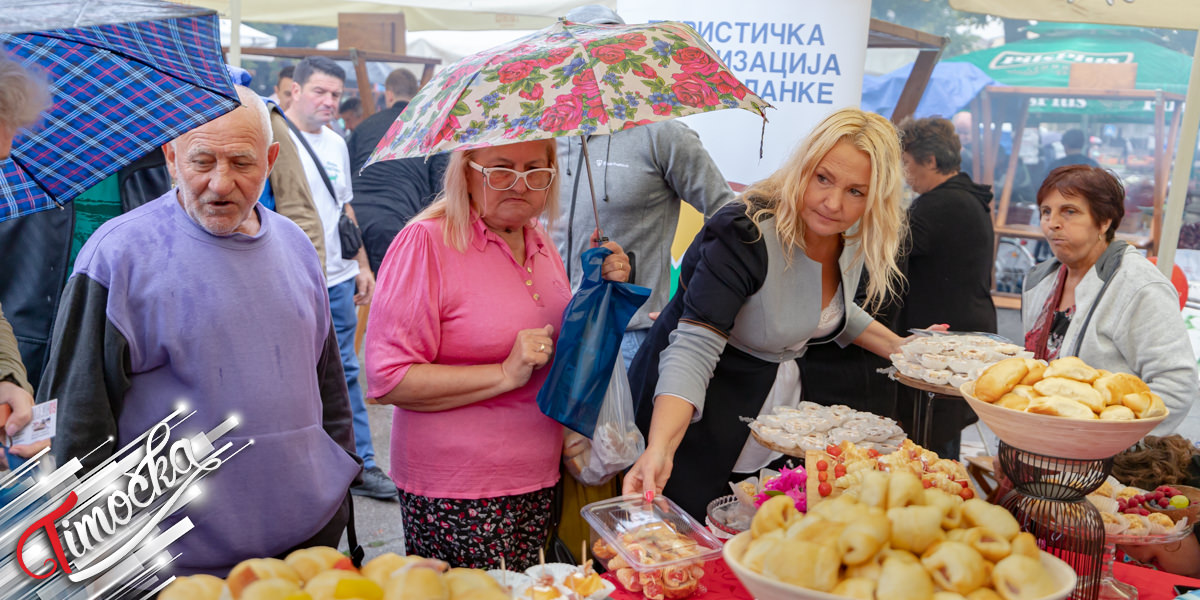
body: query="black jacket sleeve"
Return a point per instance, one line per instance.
(88, 373)
(336, 417)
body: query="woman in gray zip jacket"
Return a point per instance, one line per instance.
(1099, 299)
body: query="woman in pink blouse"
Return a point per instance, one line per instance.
(466, 314)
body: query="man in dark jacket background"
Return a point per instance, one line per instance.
(948, 257)
(387, 194)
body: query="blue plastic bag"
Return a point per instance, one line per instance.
(589, 344)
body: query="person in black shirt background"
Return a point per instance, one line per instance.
(389, 193)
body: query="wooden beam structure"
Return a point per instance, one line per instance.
(884, 34)
(359, 58)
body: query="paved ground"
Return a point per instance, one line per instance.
(378, 522)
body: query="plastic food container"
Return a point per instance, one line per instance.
(642, 532)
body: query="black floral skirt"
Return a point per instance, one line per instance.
(476, 533)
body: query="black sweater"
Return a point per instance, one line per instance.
(948, 259)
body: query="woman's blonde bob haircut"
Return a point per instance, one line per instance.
(882, 226)
(459, 209)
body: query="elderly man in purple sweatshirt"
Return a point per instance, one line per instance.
(204, 296)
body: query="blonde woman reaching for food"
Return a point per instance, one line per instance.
(767, 276)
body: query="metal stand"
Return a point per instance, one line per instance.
(1049, 501)
(922, 423)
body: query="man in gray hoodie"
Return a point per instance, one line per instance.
(641, 176)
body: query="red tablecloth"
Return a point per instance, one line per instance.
(721, 584)
(1151, 584)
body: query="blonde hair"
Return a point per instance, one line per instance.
(454, 203)
(882, 226)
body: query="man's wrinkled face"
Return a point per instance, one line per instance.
(220, 169)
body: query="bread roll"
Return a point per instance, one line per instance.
(863, 538)
(1020, 577)
(1115, 386)
(859, 588)
(270, 589)
(803, 563)
(773, 514)
(1025, 391)
(903, 580)
(1145, 405)
(990, 545)
(1000, 378)
(904, 489)
(979, 513)
(1069, 388)
(1037, 370)
(380, 568)
(950, 505)
(1071, 367)
(467, 583)
(1058, 406)
(760, 548)
(1013, 401)
(956, 567)
(984, 594)
(416, 584)
(254, 569)
(944, 595)
(307, 562)
(1025, 544)
(1117, 412)
(196, 587)
(323, 585)
(915, 528)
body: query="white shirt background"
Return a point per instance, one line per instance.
(331, 148)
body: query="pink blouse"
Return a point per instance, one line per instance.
(436, 305)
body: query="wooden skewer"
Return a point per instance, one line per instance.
(583, 556)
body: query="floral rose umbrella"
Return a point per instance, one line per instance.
(567, 79)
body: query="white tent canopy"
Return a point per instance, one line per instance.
(418, 14)
(250, 37)
(449, 46)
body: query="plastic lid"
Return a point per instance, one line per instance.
(651, 535)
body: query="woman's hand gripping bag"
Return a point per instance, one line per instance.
(589, 344)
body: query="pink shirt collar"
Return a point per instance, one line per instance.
(481, 235)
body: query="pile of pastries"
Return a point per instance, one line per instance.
(1120, 509)
(651, 544)
(1067, 387)
(811, 426)
(836, 469)
(952, 359)
(323, 573)
(890, 538)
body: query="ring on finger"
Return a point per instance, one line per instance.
(541, 347)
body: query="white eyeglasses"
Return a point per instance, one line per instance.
(500, 178)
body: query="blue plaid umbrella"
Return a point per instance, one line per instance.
(119, 89)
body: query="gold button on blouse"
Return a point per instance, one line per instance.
(528, 282)
(536, 296)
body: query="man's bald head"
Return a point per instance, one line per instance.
(220, 167)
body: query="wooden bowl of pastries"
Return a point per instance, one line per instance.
(1064, 408)
(892, 539)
